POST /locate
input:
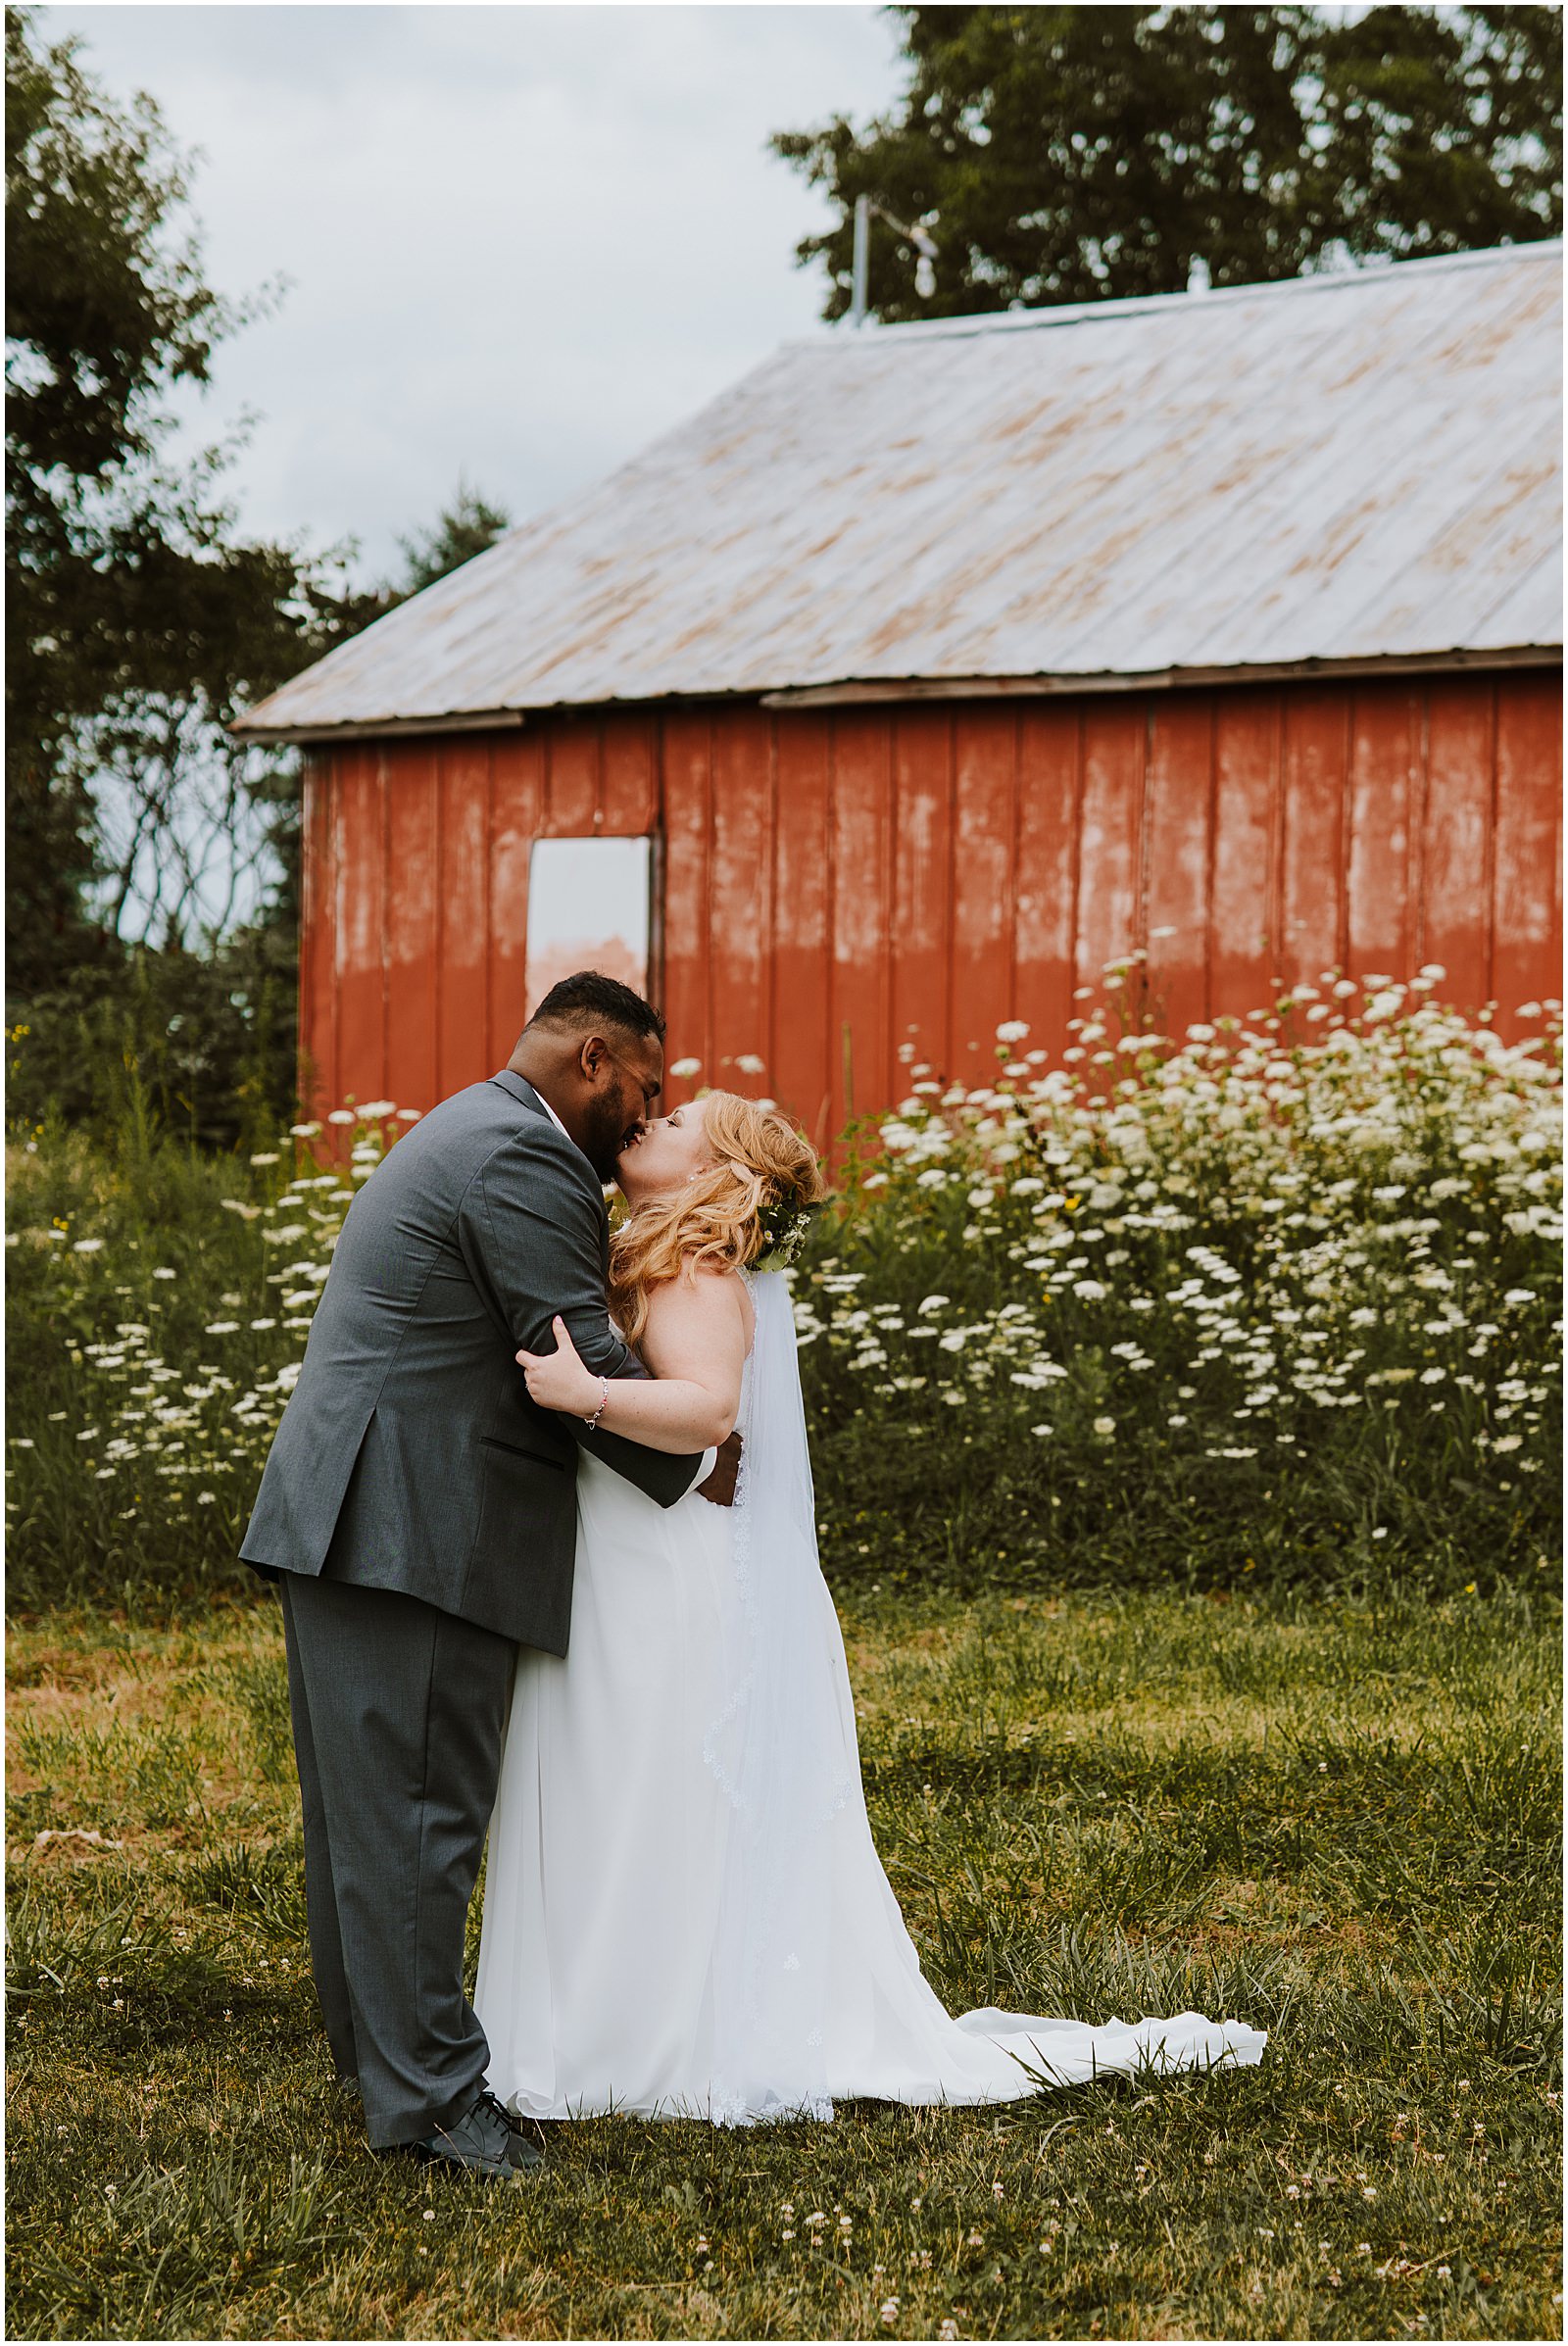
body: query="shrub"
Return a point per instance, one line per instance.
(160, 1300)
(198, 1044)
(1277, 1302)
(1273, 1305)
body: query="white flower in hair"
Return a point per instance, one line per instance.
(785, 1225)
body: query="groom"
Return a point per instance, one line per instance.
(418, 1514)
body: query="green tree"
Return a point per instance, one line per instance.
(199, 1037)
(1078, 154)
(153, 880)
(1440, 130)
(468, 526)
(136, 622)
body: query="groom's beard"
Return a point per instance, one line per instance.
(607, 1135)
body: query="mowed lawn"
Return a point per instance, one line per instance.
(1339, 1821)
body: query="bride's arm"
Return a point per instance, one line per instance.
(695, 1343)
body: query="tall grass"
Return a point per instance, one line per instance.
(1273, 1305)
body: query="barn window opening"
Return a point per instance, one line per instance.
(590, 906)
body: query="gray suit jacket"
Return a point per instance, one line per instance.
(409, 1455)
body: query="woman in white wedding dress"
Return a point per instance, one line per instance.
(685, 1913)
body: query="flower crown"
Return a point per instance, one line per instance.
(784, 1226)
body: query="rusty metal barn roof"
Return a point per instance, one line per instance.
(1336, 471)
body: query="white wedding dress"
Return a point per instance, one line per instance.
(685, 1913)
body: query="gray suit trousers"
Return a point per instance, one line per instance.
(398, 1713)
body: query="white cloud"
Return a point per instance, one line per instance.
(520, 241)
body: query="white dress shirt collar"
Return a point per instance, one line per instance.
(549, 1111)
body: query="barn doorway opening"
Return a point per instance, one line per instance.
(590, 906)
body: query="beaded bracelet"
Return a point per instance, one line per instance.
(604, 1396)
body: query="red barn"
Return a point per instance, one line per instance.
(934, 667)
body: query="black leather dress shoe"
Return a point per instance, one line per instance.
(486, 2140)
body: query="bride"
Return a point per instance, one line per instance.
(685, 1913)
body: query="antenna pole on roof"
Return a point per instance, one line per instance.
(925, 279)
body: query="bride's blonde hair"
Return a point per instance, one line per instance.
(764, 1167)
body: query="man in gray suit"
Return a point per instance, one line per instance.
(418, 1514)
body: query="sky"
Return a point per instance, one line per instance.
(518, 241)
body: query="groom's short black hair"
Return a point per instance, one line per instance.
(586, 999)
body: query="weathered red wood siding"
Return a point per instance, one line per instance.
(838, 883)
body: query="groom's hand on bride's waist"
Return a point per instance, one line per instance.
(720, 1488)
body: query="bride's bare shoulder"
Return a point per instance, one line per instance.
(713, 1299)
